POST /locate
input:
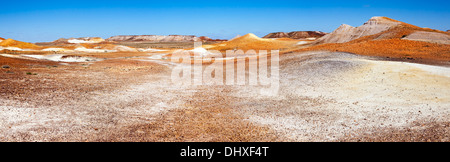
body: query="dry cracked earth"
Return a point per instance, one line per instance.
(322, 96)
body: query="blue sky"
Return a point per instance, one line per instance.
(38, 21)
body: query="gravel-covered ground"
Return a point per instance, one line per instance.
(343, 97)
(322, 96)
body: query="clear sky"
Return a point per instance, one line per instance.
(40, 20)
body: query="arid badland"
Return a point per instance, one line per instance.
(385, 80)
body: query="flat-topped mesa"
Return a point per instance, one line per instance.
(377, 24)
(346, 33)
(379, 20)
(306, 34)
(277, 35)
(296, 34)
(158, 38)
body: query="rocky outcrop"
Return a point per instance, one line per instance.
(346, 33)
(205, 38)
(296, 34)
(158, 38)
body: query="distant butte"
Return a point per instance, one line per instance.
(296, 34)
(160, 38)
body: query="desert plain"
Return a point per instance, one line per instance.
(383, 81)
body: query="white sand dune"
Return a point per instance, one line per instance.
(16, 49)
(56, 49)
(83, 49)
(63, 58)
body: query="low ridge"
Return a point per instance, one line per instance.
(159, 38)
(296, 34)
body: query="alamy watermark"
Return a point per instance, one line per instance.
(234, 68)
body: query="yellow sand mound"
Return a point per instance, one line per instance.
(393, 48)
(253, 42)
(14, 43)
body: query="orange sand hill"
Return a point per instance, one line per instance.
(393, 48)
(14, 43)
(390, 43)
(2, 38)
(253, 42)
